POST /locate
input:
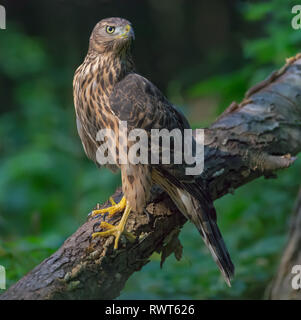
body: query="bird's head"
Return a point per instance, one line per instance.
(111, 35)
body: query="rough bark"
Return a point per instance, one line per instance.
(281, 288)
(249, 140)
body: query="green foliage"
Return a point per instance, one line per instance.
(263, 54)
(47, 185)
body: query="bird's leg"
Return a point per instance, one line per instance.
(118, 230)
(116, 207)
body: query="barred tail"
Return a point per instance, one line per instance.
(202, 213)
(207, 226)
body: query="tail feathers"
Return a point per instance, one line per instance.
(206, 224)
(197, 206)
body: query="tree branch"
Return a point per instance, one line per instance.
(249, 140)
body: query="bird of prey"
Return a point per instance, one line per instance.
(107, 90)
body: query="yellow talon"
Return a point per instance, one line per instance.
(118, 230)
(116, 207)
(112, 201)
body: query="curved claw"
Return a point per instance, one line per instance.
(96, 225)
(112, 201)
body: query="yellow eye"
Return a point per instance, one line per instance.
(110, 29)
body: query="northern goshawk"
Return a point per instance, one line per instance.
(107, 90)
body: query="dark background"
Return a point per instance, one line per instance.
(202, 55)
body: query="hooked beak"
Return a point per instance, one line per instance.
(128, 32)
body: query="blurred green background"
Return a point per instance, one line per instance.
(202, 55)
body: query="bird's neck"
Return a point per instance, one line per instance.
(110, 68)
